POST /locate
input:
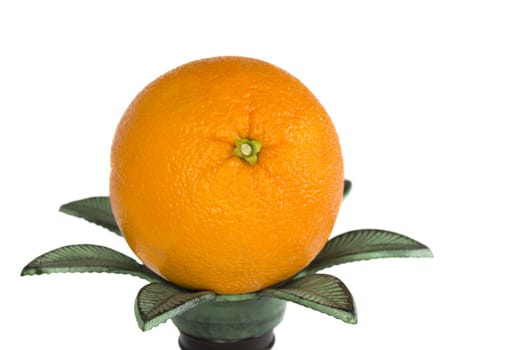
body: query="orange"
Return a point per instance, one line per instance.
(226, 175)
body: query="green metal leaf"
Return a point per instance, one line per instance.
(87, 258)
(347, 187)
(319, 292)
(96, 210)
(157, 303)
(364, 245)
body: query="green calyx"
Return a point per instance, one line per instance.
(247, 149)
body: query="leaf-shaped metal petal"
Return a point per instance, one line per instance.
(347, 187)
(96, 210)
(324, 293)
(158, 302)
(364, 245)
(87, 258)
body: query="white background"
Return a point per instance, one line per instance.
(428, 98)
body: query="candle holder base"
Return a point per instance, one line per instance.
(262, 342)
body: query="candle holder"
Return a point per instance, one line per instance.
(210, 321)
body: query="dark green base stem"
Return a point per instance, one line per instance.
(262, 342)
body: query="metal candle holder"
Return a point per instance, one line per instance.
(210, 321)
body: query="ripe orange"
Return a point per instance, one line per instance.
(226, 175)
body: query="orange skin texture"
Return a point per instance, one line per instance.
(204, 218)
